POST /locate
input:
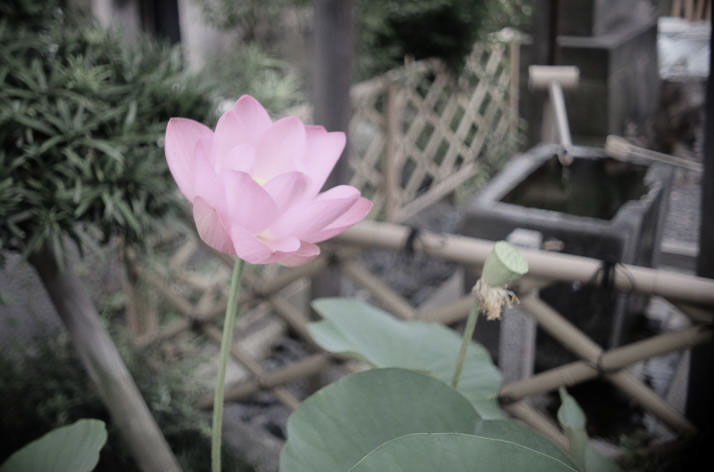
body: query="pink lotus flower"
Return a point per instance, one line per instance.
(254, 184)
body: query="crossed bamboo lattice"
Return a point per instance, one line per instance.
(427, 134)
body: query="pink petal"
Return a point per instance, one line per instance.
(306, 252)
(284, 245)
(286, 189)
(205, 182)
(308, 218)
(248, 247)
(210, 228)
(354, 215)
(240, 157)
(321, 154)
(279, 148)
(248, 205)
(182, 137)
(244, 123)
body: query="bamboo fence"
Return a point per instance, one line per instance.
(425, 138)
(418, 132)
(545, 267)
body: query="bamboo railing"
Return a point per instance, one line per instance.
(545, 267)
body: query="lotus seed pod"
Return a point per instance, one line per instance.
(503, 265)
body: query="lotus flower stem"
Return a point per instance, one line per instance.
(226, 344)
(468, 334)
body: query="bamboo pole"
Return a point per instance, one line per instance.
(141, 323)
(285, 397)
(171, 330)
(133, 317)
(696, 314)
(574, 340)
(284, 279)
(514, 49)
(449, 313)
(298, 370)
(193, 314)
(542, 264)
(106, 370)
(391, 162)
(295, 318)
(437, 191)
(580, 371)
(179, 303)
(391, 300)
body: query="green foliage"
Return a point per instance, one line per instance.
(390, 30)
(572, 420)
(336, 427)
(507, 430)
(47, 388)
(354, 328)
(400, 420)
(456, 452)
(30, 13)
(73, 448)
(81, 121)
(402, 415)
(257, 20)
(508, 13)
(250, 70)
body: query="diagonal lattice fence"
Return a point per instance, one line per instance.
(418, 132)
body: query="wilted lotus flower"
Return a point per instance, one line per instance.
(254, 184)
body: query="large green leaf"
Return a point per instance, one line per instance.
(354, 328)
(510, 431)
(456, 452)
(572, 420)
(73, 448)
(340, 424)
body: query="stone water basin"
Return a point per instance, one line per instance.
(597, 207)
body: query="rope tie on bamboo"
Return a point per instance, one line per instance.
(195, 323)
(597, 365)
(412, 237)
(608, 271)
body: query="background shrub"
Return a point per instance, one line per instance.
(82, 118)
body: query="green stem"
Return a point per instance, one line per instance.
(468, 334)
(226, 343)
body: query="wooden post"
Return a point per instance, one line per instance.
(332, 78)
(142, 324)
(701, 370)
(390, 164)
(161, 17)
(542, 51)
(517, 335)
(102, 362)
(332, 73)
(514, 46)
